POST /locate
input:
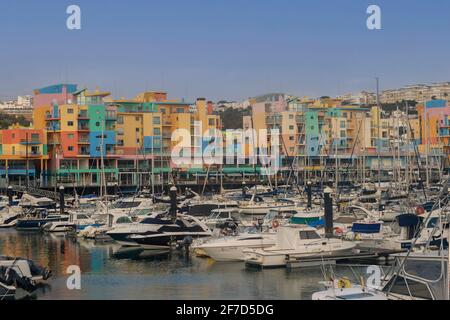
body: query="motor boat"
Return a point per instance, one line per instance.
(159, 231)
(9, 217)
(219, 218)
(36, 218)
(352, 292)
(257, 206)
(296, 242)
(99, 232)
(230, 248)
(201, 206)
(20, 278)
(77, 222)
(28, 201)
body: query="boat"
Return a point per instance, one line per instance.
(9, 217)
(35, 219)
(231, 248)
(349, 292)
(296, 242)
(20, 278)
(99, 232)
(219, 218)
(29, 202)
(76, 222)
(257, 206)
(159, 231)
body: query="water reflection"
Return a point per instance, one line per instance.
(112, 272)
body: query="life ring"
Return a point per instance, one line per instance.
(420, 210)
(338, 231)
(275, 224)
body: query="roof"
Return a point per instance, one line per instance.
(57, 88)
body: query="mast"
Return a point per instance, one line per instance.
(27, 165)
(408, 132)
(426, 145)
(378, 132)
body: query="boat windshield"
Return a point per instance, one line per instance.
(126, 205)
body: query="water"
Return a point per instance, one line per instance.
(109, 272)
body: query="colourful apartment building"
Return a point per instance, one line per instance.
(23, 153)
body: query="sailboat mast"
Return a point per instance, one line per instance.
(378, 132)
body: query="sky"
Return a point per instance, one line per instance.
(223, 49)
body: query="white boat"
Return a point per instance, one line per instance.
(19, 278)
(9, 217)
(262, 208)
(99, 232)
(77, 221)
(353, 292)
(296, 242)
(220, 217)
(159, 231)
(227, 249)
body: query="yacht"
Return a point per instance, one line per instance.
(296, 242)
(28, 201)
(9, 217)
(99, 232)
(35, 219)
(231, 248)
(351, 292)
(77, 222)
(20, 278)
(219, 217)
(257, 206)
(159, 231)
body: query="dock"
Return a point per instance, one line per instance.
(293, 261)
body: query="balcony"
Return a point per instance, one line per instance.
(30, 154)
(83, 116)
(30, 142)
(83, 128)
(83, 141)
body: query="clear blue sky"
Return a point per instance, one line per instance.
(223, 49)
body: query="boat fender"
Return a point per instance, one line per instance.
(275, 224)
(420, 211)
(344, 283)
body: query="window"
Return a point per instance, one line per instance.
(308, 235)
(343, 134)
(291, 116)
(291, 138)
(120, 119)
(163, 110)
(156, 131)
(137, 129)
(120, 143)
(98, 149)
(13, 150)
(35, 136)
(343, 124)
(13, 135)
(70, 111)
(138, 118)
(97, 124)
(70, 148)
(120, 131)
(70, 136)
(156, 120)
(70, 123)
(180, 110)
(291, 127)
(211, 122)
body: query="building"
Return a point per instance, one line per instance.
(23, 156)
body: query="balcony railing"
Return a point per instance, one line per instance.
(32, 141)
